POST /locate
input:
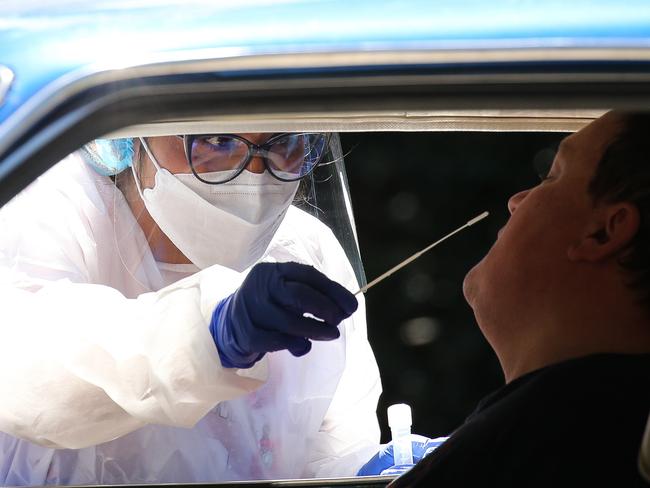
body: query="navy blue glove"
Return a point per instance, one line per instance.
(421, 446)
(267, 312)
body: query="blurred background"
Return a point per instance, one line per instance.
(409, 189)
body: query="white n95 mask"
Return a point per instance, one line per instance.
(230, 224)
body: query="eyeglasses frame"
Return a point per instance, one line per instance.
(254, 150)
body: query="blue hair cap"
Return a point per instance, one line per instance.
(109, 157)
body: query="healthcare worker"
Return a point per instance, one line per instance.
(142, 342)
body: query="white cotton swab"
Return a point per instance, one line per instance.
(420, 253)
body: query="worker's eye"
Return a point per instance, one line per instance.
(219, 143)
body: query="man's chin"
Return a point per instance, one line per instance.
(470, 284)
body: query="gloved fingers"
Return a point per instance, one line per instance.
(382, 460)
(429, 451)
(418, 445)
(308, 275)
(302, 298)
(291, 323)
(270, 341)
(301, 349)
(433, 444)
(421, 446)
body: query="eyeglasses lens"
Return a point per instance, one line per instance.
(293, 156)
(217, 158)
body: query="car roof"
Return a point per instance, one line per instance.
(77, 70)
(43, 41)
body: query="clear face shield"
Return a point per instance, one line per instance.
(223, 198)
(327, 197)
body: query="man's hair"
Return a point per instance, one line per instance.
(623, 175)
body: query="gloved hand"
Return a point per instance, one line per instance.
(421, 446)
(266, 313)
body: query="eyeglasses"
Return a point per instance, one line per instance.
(218, 158)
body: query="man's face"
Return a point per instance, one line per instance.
(527, 270)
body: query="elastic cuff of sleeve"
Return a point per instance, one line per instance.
(230, 355)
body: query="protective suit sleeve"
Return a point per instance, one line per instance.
(82, 364)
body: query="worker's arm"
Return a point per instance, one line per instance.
(82, 364)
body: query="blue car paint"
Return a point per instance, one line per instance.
(42, 43)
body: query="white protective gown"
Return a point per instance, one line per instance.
(109, 375)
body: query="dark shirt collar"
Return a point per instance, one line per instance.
(570, 366)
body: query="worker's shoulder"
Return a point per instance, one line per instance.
(306, 224)
(304, 238)
(64, 192)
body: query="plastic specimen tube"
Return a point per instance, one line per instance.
(399, 421)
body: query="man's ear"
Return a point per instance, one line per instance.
(612, 230)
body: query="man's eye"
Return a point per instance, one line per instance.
(543, 163)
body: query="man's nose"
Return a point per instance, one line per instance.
(256, 165)
(515, 200)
